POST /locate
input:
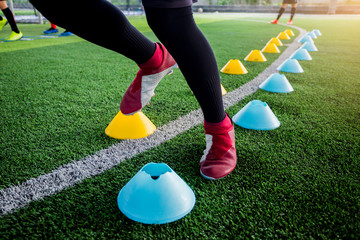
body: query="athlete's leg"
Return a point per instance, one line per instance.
(52, 29)
(293, 10)
(15, 32)
(9, 16)
(282, 10)
(177, 30)
(53, 26)
(113, 32)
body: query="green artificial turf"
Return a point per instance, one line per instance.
(300, 181)
(59, 99)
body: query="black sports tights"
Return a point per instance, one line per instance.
(175, 28)
(99, 22)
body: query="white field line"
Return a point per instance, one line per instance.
(16, 197)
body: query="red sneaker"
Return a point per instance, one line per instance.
(290, 22)
(148, 77)
(219, 157)
(274, 21)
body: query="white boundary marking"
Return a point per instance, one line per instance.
(34, 189)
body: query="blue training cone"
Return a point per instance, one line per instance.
(256, 115)
(306, 38)
(317, 32)
(310, 47)
(301, 54)
(278, 83)
(156, 195)
(291, 66)
(312, 35)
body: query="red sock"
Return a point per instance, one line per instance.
(53, 25)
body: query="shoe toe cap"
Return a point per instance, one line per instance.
(217, 170)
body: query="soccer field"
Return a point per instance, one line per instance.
(299, 181)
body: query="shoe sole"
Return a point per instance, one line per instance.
(14, 40)
(208, 178)
(211, 178)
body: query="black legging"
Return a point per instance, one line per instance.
(100, 22)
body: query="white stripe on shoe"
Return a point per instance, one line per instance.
(149, 83)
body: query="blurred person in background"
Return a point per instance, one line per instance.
(9, 18)
(282, 10)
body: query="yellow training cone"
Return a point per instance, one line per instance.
(255, 56)
(276, 41)
(130, 126)
(234, 66)
(289, 32)
(270, 48)
(283, 36)
(223, 90)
